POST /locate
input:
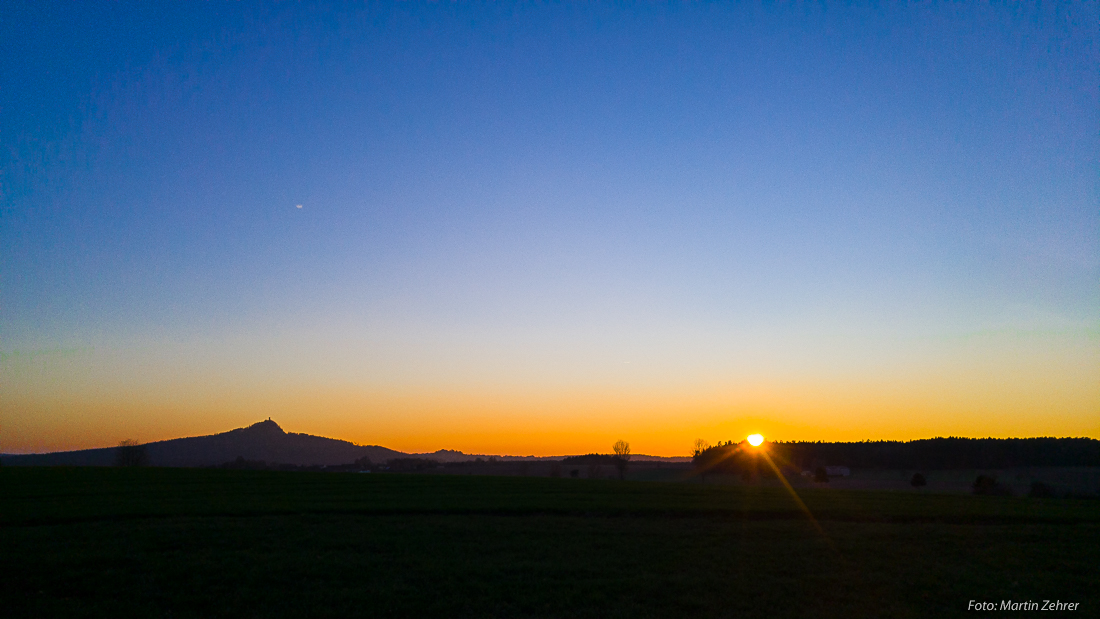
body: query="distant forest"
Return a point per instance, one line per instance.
(930, 454)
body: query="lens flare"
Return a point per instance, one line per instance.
(756, 440)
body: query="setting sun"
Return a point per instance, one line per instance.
(756, 440)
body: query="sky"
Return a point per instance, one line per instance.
(538, 228)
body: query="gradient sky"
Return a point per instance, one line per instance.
(536, 229)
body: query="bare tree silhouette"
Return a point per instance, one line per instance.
(701, 445)
(131, 453)
(622, 456)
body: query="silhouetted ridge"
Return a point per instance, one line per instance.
(264, 441)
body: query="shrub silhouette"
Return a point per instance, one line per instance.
(820, 476)
(988, 485)
(918, 481)
(130, 453)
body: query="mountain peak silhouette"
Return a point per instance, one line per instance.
(261, 441)
(266, 428)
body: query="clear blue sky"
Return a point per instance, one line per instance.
(827, 221)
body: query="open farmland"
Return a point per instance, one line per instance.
(213, 543)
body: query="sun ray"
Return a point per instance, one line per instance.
(797, 499)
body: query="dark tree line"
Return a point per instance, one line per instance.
(927, 454)
(620, 459)
(586, 459)
(411, 465)
(728, 458)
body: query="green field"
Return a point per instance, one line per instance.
(215, 543)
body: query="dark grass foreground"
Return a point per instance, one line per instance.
(209, 543)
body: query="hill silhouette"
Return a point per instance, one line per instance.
(264, 441)
(267, 442)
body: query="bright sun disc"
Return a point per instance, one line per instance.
(755, 440)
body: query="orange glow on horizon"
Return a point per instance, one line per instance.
(96, 400)
(532, 423)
